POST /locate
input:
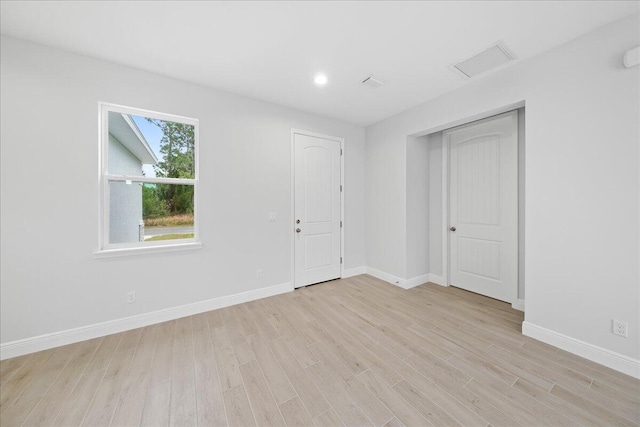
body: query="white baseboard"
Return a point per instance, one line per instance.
(353, 272)
(384, 276)
(518, 305)
(608, 358)
(57, 339)
(438, 280)
(402, 283)
(416, 281)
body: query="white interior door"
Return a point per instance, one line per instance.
(317, 210)
(483, 206)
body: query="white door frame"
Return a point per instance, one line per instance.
(445, 211)
(445, 199)
(295, 132)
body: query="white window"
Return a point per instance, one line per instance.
(148, 181)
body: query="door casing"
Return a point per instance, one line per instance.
(292, 232)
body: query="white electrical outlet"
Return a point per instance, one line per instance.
(620, 328)
(259, 274)
(131, 297)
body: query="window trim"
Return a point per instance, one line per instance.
(105, 249)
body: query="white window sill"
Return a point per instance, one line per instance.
(120, 252)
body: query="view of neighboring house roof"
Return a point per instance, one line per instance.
(125, 130)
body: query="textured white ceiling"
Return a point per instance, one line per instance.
(271, 50)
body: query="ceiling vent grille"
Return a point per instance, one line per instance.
(372, 82)
(489, 59)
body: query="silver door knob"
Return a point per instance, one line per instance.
(452, 228)
(298, 230)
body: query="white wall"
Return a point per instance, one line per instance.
(434, 142)
(50, 280)
(125, 208)
(582, 186)
(417, 207)
(385, 191)
(121, 160)
(522, 171)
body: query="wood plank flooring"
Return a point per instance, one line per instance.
(352, 352)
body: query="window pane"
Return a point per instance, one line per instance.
(142, 146)
(143, 212)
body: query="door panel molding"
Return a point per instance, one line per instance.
(295, 132)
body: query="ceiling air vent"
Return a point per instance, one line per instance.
(372, 82)
(486, 60)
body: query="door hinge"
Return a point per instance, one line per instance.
(340, 260)
(340, 224)
(341, 151)
(341, 188)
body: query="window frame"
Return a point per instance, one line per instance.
(104, 178)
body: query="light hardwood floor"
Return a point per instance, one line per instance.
(350, 352)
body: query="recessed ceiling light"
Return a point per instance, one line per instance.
(320, 79)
